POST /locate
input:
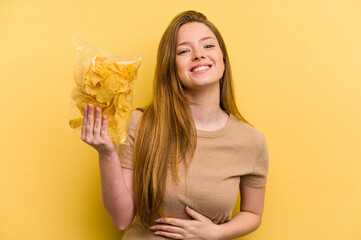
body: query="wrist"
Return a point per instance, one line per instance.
(218, 232)
(108, 155)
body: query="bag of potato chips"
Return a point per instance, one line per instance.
(106, 82)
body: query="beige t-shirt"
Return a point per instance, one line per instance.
(237, 152)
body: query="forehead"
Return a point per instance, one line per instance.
(193, 32)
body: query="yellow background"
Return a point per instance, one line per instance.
(297, 72)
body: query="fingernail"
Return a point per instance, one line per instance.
(152, 227)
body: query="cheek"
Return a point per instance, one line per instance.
(180, 68)
(221, 65)
(222, 61)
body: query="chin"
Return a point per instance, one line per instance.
(203, 85)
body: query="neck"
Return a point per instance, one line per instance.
(206, 111)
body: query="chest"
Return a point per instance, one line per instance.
(211, 184)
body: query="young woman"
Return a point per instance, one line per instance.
(190, 152)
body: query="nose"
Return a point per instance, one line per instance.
(197, 54)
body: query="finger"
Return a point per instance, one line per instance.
(169, 235)
(195, 215)
(90, 122)
(168, 228)
(174, 221)
(98, 123)
(104, 130)
(83, 127)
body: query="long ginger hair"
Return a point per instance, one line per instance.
(166, 134)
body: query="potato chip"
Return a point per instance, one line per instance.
(106, 82)
(75, 123)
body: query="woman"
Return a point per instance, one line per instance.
(189, 152)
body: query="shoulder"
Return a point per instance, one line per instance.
(133, 120)
(248, 134)
(136, 114)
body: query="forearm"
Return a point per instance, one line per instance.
(241, 224)
(117, 198)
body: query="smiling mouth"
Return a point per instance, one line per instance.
(201, 69)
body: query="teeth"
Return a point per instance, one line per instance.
(200, 68)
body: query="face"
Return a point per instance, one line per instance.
(199, 59)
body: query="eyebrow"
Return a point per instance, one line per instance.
(202, 39)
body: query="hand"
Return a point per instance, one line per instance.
(201, 228)
(96, 135)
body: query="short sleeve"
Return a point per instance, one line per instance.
(258, 176)
(126, 149)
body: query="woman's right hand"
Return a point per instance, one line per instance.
(96, 134)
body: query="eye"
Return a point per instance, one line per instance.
(209, 46)
(184, 51)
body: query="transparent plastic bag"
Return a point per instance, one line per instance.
(106, 82)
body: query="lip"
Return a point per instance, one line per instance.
(202, 71)
(200, 65)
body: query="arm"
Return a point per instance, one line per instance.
(252, 198)
(117, 194)
(249, 218)
(116, 182)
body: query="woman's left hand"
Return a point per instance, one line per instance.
(200, 228)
